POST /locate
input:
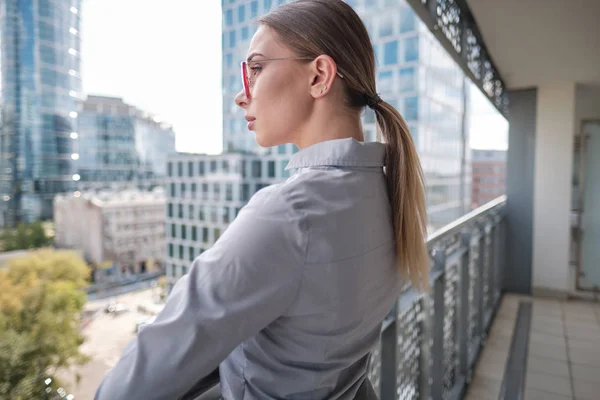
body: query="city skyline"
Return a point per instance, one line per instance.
(186, 80)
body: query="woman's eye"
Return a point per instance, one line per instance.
(255, 68)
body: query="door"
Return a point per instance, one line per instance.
(589, 277)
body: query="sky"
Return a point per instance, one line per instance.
(164, 57)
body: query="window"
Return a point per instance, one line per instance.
(180, 210)
(214, 217)
(226, 215)
(170, 212)
(411, 49)
(245, 33)
(184, 232)
(183, 187)
(267, 5)
(217, 191)
(191, 211)
(170, 168)
(271, 169)
(173, 231)
(190, 168)
(407, 80)
(201, 213)
(192, 253)
(281, 149)
(231, 39)
(217, 233)
(411, 108)
(180, 168)
(205, 191)
(201, 168)
(229, 17)
(171, 250)
(194, 233)
(225, 166)
(181, 252)
(205, 235)
(407, 20)
(228, 192)
(256, 169)
(241, 13)
(193, 190)
(386, 25)
(244, 170)
(245, 195)
(254, 9)
(390, 53)
(213, 166)
(237, 211)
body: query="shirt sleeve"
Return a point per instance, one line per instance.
(245, 281)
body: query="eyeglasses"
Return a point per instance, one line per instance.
(249, 71)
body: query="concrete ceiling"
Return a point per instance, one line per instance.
(533, 42)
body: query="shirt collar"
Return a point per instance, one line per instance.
(346, 152)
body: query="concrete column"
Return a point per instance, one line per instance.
(555, 122)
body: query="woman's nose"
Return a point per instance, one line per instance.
(241, 100)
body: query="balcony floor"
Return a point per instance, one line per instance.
(563, 359)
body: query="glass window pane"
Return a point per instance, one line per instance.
(407, 20)
(232, 39)
(411, 108)
(241, 13)
(385, 80)
(386, 26)
(407, 79)
(411, 49)
(229, 17)
(254, 9)
(390, 53)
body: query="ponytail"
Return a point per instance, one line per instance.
(405, 183)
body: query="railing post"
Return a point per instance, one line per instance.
(463, 309)
(389, 339)
(492, 267)
(479, 329)
(437, 367)
(425, 358)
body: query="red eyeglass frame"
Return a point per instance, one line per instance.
(244, 68)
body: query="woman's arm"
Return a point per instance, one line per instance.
(246, 280)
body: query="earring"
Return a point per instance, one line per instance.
(324, 88)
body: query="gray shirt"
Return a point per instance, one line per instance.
(289, 301)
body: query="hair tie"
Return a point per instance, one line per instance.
(373, 101)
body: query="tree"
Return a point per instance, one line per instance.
(25, 236)
(40, 305)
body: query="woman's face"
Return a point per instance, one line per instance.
(280, 101)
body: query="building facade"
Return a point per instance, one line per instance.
(121, 146)
(125, 228)
(204, 194)
(489, 176)
(41, 86)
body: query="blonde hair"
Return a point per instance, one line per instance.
(332, 27)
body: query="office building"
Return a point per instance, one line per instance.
(121, 146)
(204, 194)
(489, 176)
(41, 86)
(125, 228)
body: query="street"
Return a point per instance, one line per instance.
(105, 339)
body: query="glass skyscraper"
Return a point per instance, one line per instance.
(41, 86)
(414, 73)
(121, 146)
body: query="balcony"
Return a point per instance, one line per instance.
(467, 338)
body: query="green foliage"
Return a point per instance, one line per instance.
(40, 304)
(25, 236)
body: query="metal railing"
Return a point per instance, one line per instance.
(430, 342)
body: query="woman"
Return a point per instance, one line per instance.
(289, 302)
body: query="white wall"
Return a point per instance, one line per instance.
(555, 122)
